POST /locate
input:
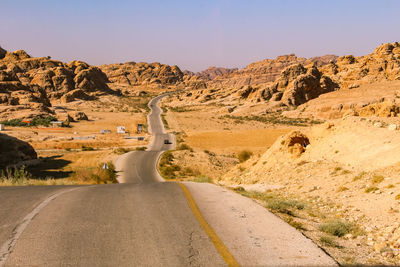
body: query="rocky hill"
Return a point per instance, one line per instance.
(212, 72)
(28, 85)
(264, 71)
(288, 82)
(153, 75)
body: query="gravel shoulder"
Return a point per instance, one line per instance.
(253, 234)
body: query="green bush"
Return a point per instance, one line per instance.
(87, 148)
(328, 241)
(244, 155)
(38, 121)
(14, 123)
(167, 168)
(336, 228)
(44, 121)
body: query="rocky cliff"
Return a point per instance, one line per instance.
(28, 85)
(286, 82)
(212, 72)
(128, 76)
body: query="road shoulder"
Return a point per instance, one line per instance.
(253, 234)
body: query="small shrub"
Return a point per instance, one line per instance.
(295, 224)
(15, 175)
(184, 146)
(344, 172)
(359, 176)
(87, 148)
(167, 168)
(280, 206)
(96, 175)
(44, 121)
(397, 197)
(371, 189)
(341, 189)
(244, 155)
(328, 241)
(390, 186)
(14, 123)
(336, 228)
(337, 169)
(377, 179)
(141, 148)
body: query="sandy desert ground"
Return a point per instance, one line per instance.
(348, 172)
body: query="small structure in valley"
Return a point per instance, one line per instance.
(56, 124)
(121, 129)
(105, 131)
(139, 128)
(2, 127)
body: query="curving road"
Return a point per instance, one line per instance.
(142, 222)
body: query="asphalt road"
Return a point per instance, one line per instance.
(143, 222)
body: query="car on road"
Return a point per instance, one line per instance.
(167, 142)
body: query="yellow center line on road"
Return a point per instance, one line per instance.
(219, 245)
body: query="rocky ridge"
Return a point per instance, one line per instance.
(212, 72)
(287, 82)
(29, 86)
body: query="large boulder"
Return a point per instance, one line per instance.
(73, 95)
(79, 116)
(14, 151)
(306, 87)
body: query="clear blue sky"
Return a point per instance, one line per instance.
(196, 34)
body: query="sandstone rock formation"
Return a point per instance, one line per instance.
(289, 82)
(2, 53)
(30, 85)
(14, 150)
(265, 71)
(381, 65)
(145, 74)
(212, 72)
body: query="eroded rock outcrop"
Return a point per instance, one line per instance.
(135, 74)
(30, 85)
(14, 151)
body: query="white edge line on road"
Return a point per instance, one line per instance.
(8, 246)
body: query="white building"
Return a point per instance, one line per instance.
(1, 127)
(121, 129)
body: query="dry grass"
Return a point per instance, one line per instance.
(97, 175)
(256, 141)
